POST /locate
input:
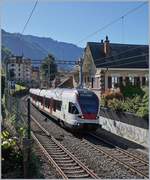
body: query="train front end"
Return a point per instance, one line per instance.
(88, 104)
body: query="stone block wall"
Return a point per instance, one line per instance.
(126, 125)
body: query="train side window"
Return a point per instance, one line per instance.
(73, 109)
(58, 105)
(54, 105)
(47, 102)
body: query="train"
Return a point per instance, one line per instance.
(75, 109)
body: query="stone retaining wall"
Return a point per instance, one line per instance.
(125, 125)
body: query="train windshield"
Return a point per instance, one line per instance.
(89, 103)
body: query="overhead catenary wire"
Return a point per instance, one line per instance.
(112, 22)
(33, 9)
(25, 26)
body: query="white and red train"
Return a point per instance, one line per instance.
(73, 108)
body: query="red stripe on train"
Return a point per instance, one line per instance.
(89, 116)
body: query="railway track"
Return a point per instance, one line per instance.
(67, 165)
(121, 156)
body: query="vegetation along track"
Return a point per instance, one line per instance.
(133, 163)
(66, 164)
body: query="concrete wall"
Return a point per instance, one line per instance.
(137, 132)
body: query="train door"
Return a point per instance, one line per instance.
(51, 105)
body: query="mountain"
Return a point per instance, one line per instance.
(37, 48)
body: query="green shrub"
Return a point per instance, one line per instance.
(115, 104)
(103, 102)
(132, 105)
(132, 91)
(143, 110)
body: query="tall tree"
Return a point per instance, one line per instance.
(48, 68)
(6, 53)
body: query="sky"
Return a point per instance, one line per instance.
(73, 21)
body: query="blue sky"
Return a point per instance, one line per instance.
(72, 21)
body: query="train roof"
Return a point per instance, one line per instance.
(59, 90)
(58, 93)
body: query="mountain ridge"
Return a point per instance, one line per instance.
(35, 47)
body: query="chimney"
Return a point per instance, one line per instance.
(106, 47)
(101, 41)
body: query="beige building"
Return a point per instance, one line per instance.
(107, 65)
(19, 69)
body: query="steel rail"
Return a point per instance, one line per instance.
(91, 173)
(109, 155)
(79, 164)
(133, 169)
(49, 157)
(121, 150)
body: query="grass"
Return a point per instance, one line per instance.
(19, 87)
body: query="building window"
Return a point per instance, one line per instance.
(120, 81)
(131, 80)
(136, 81)
(127, 81)
(109, 82)
(92, 82)
(19, 74)
(115, 81)
(12, 64)
(147, 81)
(143, 81)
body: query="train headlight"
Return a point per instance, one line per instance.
(82, 117)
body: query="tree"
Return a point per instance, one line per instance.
(2, 85)
(6, 53)
(48, 68)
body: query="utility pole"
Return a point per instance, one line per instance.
(49, 80)
(81, 73)
(27, 146)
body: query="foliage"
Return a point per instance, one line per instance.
(137, 104)
(143, 110)
(131, 91)
(49, 63)
(22, 132)
(3, 111)
(11, 156)
(132, 105)
(19, 87)
(115, 104)
(35, 167)
(6, 53)
(2, 85)
(110, 95)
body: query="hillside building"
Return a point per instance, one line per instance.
(19, 69)
(107, 65)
